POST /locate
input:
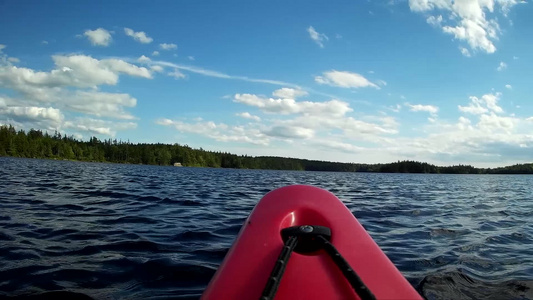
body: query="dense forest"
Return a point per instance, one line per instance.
(36, 144)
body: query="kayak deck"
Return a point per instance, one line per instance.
(248, 264)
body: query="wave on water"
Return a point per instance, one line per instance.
(105, 231)
(458, 285)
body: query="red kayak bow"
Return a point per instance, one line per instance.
(302, 242)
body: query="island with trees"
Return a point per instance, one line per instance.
(39, 144)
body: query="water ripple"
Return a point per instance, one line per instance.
(106, 231)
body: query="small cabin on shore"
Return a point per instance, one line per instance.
(177, 164)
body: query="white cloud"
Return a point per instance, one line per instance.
(502, 66)
(492, 139)
(381, 82)
(319, 38)
(351, 128)
(121, 66)
(92, 102)
(72, 86)
(290, 132)
(435, 21)
(472, 21)
(396, 108)
(507, 5)
(249, 116)
(486, 103)
(211, 73)
(492, 123)
(491, 101)
(219, 132)
(482, 138)
(425, 5)
(465, 51)
(98, 37)
(291, 106)
(38, 112)
(473, 108)
(44, 42)
(333, 145)
(300, 128)
(155, 53)
(324, 117)
(176, 74)
(190, 57)
(13, 59)
(433, 110)
(101, 104)
(474, 33)
(166, 46)
(78, 71)
(487, 141)
(157, 68)
(144, 59)
(73, 70)
(292, 121)
(288, 93)
(508, 86)
(99, 127)
(138, 36)
(44, 117)
(344, 79)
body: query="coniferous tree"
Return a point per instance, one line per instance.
(36, 144)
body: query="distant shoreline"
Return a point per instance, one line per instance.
(170, 166)
(36, 144)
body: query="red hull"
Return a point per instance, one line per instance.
(247, 266)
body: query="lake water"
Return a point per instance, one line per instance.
(113, 231)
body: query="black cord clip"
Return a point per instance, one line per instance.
(307, 237)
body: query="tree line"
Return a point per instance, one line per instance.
(38, 144)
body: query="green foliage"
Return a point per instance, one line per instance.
(36, 144)
(515, 169)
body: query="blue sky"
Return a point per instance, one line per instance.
(441, 81)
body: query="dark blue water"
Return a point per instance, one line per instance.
(112, 231)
